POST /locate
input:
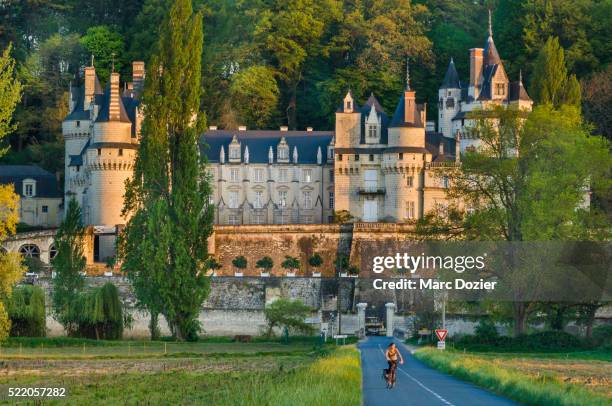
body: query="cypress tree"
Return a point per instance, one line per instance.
(68, 265)
(550, 83)
(164, 245)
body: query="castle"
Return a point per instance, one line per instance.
(376, 167)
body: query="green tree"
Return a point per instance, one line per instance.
(550, 83)
(265, 263)
(11, 269)
(513, 182)
(164, 245)
(287, 313)
(108, 48)
(10, 92)
(100, 313)
(597, 101)
(254, 95)
(27, 312)
(68, 265)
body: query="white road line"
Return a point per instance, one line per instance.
(446, 402)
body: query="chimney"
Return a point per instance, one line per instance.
(410, 108)
(476, 58)
(284, 128)
(114, 109)
(242, 128)
(90, 86)
(138, 75)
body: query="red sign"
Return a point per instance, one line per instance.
(441, 334)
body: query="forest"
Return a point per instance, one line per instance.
(268, 63)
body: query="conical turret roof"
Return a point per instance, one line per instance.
(451, 79)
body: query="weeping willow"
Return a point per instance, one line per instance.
(26, 310)
(100, 313)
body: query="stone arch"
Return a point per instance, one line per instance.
(30, 250)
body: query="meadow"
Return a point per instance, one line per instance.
(212, 373)
(576, 378)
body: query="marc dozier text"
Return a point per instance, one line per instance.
(413, 263)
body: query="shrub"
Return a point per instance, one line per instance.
(265, 263)
(486, 331)
(602, 335)
(315, 261)
(26, 309)
(240, 262)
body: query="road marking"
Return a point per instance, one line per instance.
(446, 402)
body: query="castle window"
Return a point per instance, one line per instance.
(233, 199)
(258, 218)
(234, 174)
(307, 200)
(450, 103)
(283, 175)
(282, 198)
(330, 152)
(371, 158)
(234, 153)
(445, 182)
(45, 209)
(500, 89)
(99, 151)
(78, 168)
(372, 131)
(120, 152)
(356, 157)
(349, 105)
(78, 123)
(401, 156)
(410, 181)
(331, 200)
(331, 176)
(234, 220)
(307, 175)
(259, 175)
(29, 188)
(440, 102)
(339, 157)
(283, 153)
(410, 210)
(258, 204)
(308, 220)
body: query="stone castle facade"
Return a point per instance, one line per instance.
(377, 167)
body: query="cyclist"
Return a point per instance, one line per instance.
(392, 354)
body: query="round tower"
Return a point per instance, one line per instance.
(449, 100)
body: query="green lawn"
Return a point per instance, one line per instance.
(542, 379)
(252, 374)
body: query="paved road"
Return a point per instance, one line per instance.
(416, 384)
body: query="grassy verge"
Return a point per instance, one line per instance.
(530, 380)
(333, 377)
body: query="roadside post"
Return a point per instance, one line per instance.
(441, 334)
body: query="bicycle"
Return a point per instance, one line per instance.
(390, 376)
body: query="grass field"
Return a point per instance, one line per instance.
(542, 379)
(207, 373)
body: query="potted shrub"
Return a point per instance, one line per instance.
(110, 265)
(291, 264)
(342, 265)
(240, 262)
(212, 266)
(315, 261)
(265, 264)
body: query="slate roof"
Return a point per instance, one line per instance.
(77, 113)
(432, 143)
(488, 72)
(451, 78)
(46, 182)
(260, 141)
(104, 113)
(77, 160)
(518, 92)
(491, 56)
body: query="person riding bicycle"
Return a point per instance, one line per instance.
(392, 354)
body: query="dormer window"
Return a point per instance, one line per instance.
(234, 150)
(29, 188)
(330, 153)
(349, 105)
(372, 131)
(372, 127)
(283, 150)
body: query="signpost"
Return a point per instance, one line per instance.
(441, 334)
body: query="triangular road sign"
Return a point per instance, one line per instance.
(441, 334)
